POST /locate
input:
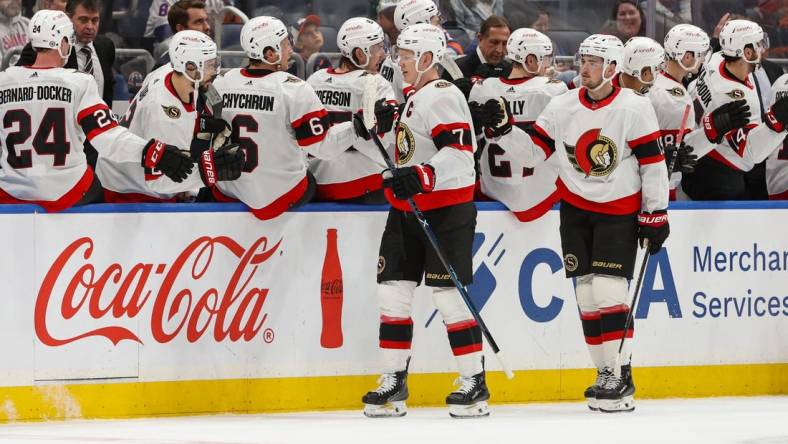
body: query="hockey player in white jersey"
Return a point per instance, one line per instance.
(353, 175)
(434, 157)
(721, 173)
(48, 111)
(614, 191)
(506, 173)
(168, 109)
(278, 120)
(777, 163)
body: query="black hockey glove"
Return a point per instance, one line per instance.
(496, 118)
(465, 85)
(681, 158)
(777, 117)
(209, 124)
(477, 114)
(385, 114)
(653, 227)
(168, 159)
(409, 181)
(359, 127)
(225, 163)
(727, 117)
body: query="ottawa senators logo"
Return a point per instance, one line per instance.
(594, 155)
(736, 94)
(171, 111)
(406, 144)
(676, 92)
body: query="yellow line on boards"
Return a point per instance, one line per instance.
(134, 399)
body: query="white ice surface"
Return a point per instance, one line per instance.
(761, 420)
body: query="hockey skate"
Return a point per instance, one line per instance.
(617, 394)
(388, 400)
(470, 399)
(590, 393)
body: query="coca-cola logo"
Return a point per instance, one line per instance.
(119, 292)
(332, 287)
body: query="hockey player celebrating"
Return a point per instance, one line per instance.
(614, 190)
(507, 173)
(354, 175)
(721, 174)
(434, 155)
(277, 118)
(49, 110)
(166, 109)
(777, 163)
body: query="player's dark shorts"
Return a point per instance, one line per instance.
(406, 253)
(597, 243)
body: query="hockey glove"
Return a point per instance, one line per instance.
(477, 113)
(225, 163)
(680, 158)
(168, 159)
(654, 227)
(359, 127)
(409, 181)
(209, 124)
(465, 85)
(732, 115)
(385, 115)
(497, 118)
(777, 117)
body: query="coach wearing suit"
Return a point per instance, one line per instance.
(93, 54)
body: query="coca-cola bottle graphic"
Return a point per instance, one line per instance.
(331, 294)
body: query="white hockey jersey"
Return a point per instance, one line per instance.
(436, 128)
(157, 74)
(47, 115)
(279, 120)
(777, 163)
(391, 72)
(354, 172)
(740, 149)
(156, 112)
(526, 187)
(609, 156)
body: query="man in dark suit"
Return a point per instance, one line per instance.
(93, 53)
(488, 60)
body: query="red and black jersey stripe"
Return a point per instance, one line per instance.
(311, 128)
(539, 136)
(646, 149)
(454, 135)
(95, 120)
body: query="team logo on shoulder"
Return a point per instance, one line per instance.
(291, 79)
(736, 94)
(406, 144)
(381, 264)
(171, 111)
(593, 155)
(443, 84)
(554, 81)
(570, 262)
(675, 92)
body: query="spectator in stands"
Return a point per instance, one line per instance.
(489, 58)
(13, 29)
(309, 40)
(470, 14)
(386, 21)
(54, 5)
(627, 20)
(183, 15)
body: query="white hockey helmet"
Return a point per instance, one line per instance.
(685, 38)
(411, 12)
(641, 53)
(48, 28)
(526, 41)
(737, 34)
(359, 32)
(193, 48)
(421, 39)
(260, 33)
(607, 47)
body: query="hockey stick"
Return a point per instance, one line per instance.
(633, 306)
(369, 123)
(451, 67)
